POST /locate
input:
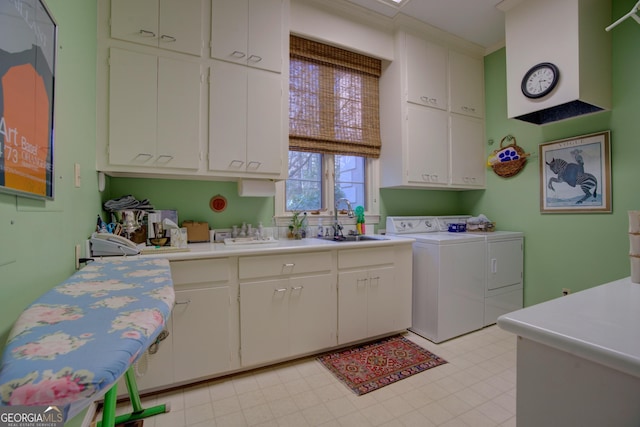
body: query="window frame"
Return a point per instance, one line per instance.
(372, 190)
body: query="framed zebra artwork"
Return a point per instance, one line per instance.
(575, 174)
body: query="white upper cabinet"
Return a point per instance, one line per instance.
(426, 72)
(466, 85)
(248, 32)
(468, 164)
(431, 113)
(154, 111)
(428, 147)
(168, 24)
(246, 134)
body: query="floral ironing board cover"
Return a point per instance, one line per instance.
(75, 341)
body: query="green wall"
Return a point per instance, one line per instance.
(575, 251)
(37, 238)
(561, 250)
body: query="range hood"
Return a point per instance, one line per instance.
(569, 34)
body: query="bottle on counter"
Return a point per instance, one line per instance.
(320, 231)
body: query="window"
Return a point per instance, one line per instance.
(334, 130)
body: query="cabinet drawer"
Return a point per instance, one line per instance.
(365, 257)
(278, 265)
(200, 271)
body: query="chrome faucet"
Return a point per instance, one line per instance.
(337, 228)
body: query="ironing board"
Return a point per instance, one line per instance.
(72, 345)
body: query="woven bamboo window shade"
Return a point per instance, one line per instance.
(333, 100)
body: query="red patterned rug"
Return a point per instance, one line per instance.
(374, 365)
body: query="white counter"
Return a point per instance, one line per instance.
(579, 358)
(601, 324)
(215, 250)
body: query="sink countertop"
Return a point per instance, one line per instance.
(601, 324)
(217, 250)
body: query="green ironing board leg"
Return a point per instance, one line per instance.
(108, 414)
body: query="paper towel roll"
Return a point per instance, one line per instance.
(256, 188)
(634, 221)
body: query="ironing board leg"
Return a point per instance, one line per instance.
(138, 413)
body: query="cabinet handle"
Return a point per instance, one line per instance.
(165, 156)
(253, 165)
(187, 302)
(297, 288)
(236, 163)
(468, 109)
(361, 281)
(147, 33)
(289, 265)
(238, 54)
(167, 38)
(255, 58)
(427, 100)
(494, 265)
(280, 290)
(377, 279)
(146, 155)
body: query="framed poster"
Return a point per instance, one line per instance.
(575, 174)
(27, 72)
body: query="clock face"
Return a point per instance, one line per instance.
(540, 80)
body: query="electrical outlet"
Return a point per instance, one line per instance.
(566, 291)
(78, 253)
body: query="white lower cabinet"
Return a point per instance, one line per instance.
(202, 339)
(240, 312)
(372, 299)
(287, 306)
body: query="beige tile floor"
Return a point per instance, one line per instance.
(476, 388)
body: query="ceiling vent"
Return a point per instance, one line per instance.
(567, 38)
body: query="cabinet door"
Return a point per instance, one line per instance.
(427, 145)
(155, 370)
(228, 117)
(178, 134)
(383, 310)
(265, 34)
(426, 72)
(181, 26)
(264, 320)
(466, 84)
(248, 32)
(201, 333)
(264, 120)
(468, 164)
(312, 309)
(135, 21)
(352, 306)
(169, 24)
(229, 30)
(132, 107)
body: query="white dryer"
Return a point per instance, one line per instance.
(449, 276)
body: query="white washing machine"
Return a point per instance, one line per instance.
(449, 276)
(504, 267)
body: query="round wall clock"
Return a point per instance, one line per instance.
(540, 80)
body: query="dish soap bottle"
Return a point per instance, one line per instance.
(360, 220)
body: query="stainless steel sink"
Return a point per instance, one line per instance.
(351, 238)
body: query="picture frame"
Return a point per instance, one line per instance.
(28, 43)
(575, 174)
